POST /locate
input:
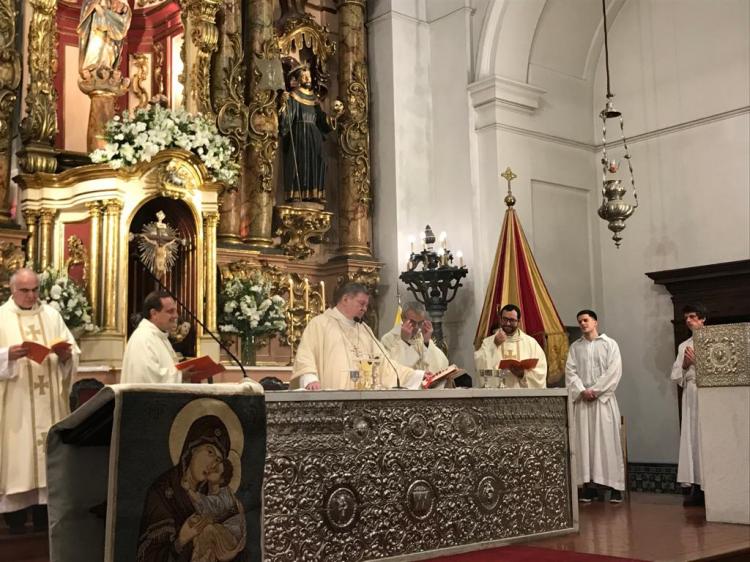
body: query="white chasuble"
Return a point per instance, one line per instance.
(689, 464)
(518, 346)
(333, 346)
(33, 397)
(596, 365)
(149, 357)
(414, 354)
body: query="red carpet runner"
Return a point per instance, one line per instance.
(528, 554)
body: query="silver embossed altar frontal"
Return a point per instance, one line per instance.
(722, 355)
(361, 476)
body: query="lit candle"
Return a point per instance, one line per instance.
(424, 245)
(307, 294)
(291, 293)
(411, 244)
(444, 239)
(442, 256)
(460, 256)
(322, 296)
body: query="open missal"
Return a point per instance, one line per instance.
(447, 374)
(516, 364)
(38, 352)
(204, 367)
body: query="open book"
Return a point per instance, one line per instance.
(38, 352)
(515, 364)
(203, 366)
(447, 374)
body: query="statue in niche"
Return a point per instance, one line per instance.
(302, 127)
(101, 31)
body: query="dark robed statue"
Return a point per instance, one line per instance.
(302, 127)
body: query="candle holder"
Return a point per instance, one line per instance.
(434, 280)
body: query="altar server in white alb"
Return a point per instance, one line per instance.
(337, 345)
(510, 342)
(683, 373)
(411, 342)
(149, 356)
(33, 397)
(592, 372)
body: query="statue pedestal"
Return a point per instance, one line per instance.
(723, 378)
(103, 89)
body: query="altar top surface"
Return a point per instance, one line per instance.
(453, 393)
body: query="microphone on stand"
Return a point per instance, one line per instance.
(163, 287)
(398, 379)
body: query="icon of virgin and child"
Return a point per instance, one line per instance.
(191, 512)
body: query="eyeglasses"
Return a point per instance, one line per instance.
(504, 320)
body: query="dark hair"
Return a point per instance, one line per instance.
(697, 308)
(510, 308)
(349, 288)
(206, 430)
(589, 312)
(153, 301)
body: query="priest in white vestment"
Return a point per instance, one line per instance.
(337, 348)
(411, 343)
(149, 356)
(592, 373)
(683, 373)
(33, 396)
(510, 342)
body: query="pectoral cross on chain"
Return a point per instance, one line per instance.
(41, 384)
(33, 332)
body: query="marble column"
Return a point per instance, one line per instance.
(355, 200)
(209, 268)
(257, 197)
(30, 217)
(95, 215)
(46, 237)
(110, 262)
(39, 126)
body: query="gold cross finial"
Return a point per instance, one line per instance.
(508, 174)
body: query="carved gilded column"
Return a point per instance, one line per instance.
(95, 214)
(39, 126)
(46, 237)
(258, 197)
(354, 138)
(30, 217)
(209, 266)
(204, 37)
(10, 78)
(110, 263)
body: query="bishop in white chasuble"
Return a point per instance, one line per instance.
(33, 397)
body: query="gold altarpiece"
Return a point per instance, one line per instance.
(194, 51)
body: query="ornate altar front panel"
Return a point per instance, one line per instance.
(360, 476)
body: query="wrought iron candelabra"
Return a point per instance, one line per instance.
(433, 279)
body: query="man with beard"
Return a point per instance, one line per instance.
(509, 342)
(302, 127)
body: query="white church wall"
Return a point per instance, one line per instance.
(671, 70)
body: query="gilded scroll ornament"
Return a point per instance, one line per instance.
(140, 60)
(305, 300)
(300, 229)
(363, 499)
(205, 37)
(303, 32)
(12, 258)
(10, 69)
(39, 127)
(722, 355)
(354, 138)
(159, 72)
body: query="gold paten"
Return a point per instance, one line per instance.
(300, 229)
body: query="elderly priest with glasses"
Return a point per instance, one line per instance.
(510, 345)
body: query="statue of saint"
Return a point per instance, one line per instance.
(101, 31)
(302, 128)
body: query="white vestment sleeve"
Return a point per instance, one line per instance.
(572, 380)
(306, 379)
(607, 383)
(436, 359)
(678, 374)
(486, 356)
(7, 367)
(305, 365)
(537, 377)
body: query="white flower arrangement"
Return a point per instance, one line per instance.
(137, 137)
(247, 308)
(65, 296)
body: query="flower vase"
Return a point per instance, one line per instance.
(247, 351)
